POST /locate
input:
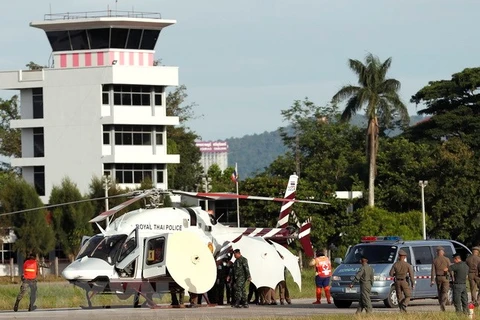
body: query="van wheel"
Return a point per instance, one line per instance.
(342, 303)
(392, 300)
(450, 297)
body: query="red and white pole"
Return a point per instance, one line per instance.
(471, 310)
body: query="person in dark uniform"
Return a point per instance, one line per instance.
(403, 273)
(241, 273)
(365, 277)
(440, 277)
(460, 273)
(473, 262)
(177, 302)
(222, 273)
(252, 292)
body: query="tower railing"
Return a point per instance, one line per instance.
(102, 14)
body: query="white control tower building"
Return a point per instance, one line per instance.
(100, 108)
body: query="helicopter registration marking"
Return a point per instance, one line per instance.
(166, 227)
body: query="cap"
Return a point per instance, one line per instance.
(476, 248)
(402, 253)
(236, 251)
(440, 248)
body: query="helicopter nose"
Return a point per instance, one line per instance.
(87, 269)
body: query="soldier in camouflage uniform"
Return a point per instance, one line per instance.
(241, 273)
(365, 277)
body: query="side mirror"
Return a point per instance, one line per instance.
(338, 260)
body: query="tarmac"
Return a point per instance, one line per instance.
(298, 308)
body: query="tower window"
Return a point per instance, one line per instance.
(37, 99)
(39, 179)
(38, 143)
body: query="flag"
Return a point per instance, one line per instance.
(235, 174)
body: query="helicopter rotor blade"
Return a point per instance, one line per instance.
(104, 215)
(64, 204)
(204, 195)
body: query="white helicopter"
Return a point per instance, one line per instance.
(151, 250)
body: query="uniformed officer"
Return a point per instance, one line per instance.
(365, 277)
(460, 272)
(473, 263)
(403, 273)
(440, 277)
(241, 273)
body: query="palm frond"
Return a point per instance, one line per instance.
(345, 93)
(389, 85)
(385, 66)
(351, 108)
(359, 68)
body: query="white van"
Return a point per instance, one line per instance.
(382, 253)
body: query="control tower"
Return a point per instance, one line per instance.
(100, 108)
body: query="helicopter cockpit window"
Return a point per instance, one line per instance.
(127, 247)
(105, 248)
(155, 250)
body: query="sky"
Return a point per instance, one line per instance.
(245, 61)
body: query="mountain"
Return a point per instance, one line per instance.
(253, 153)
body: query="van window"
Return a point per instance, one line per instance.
(423, 255)
(407, 250)
(375, 254)
(448, 252)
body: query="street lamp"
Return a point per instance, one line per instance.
(423, 184)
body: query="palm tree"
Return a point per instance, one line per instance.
(380, 98)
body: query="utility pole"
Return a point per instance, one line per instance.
(423, 184)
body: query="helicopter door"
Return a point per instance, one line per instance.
(129, 252)
(154, 257)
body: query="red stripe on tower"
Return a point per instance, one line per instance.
(63, 60)
(88, 59)
(122, 58)
(100, 58)
(75, 59)
(131, 58)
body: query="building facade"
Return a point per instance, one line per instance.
(100, 109)
(213, 152)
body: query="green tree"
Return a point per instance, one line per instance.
(454, 109)
(70, 221)
(186, 174)
(451, 197)
(34, 232)
(10, 138)
(379, 96)
(401, 164)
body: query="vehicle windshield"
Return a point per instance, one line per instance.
(374, 254)
(105, 248)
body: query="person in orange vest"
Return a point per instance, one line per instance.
(29, 279)
(323, 272)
